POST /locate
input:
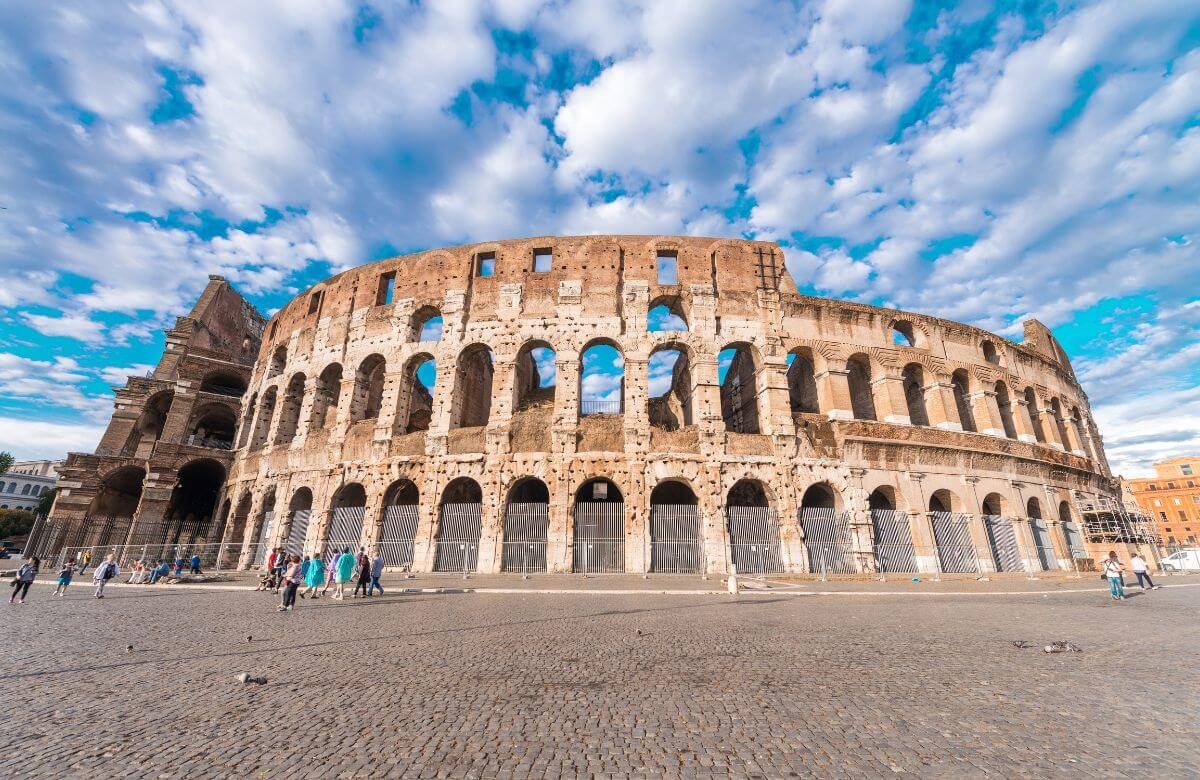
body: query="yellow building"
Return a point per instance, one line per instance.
(1173, 499)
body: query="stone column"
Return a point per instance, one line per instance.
(986, 410)
(777, 400)
(833, 392)
(1049, 423)
(563, 440)
(637, 391)
(891, 406)
(940, 405)
(1021, 418)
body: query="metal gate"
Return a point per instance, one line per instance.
(675, 540)
(264, 533)
(1045, 547)
(525, 529)
(397, 534)
(459, 529)
(298, 532)
(827, 537)
(754, 539)
(1003, 541)
(345, 529)
(952, 534)
(599, 546)
(893, 541)
(1074, 540)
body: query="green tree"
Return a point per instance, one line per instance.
(6, 460)
(45, 502)
(15, 522)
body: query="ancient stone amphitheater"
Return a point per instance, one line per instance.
(642, 404)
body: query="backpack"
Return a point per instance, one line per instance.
(110, 571)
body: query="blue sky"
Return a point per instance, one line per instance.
(985, 162)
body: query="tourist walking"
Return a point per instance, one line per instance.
(194, 564)
(364, 573)
(85, 558)
(331, 565)
(25, 577)
(314, 577)
(376, 573)
(281, 563)
(1137, 565)
(105, 572)
(291, 583)
(1114, 570)
(65, 574)
(344, 573)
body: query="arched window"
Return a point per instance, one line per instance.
(666, 315)
(262, 423)
(990, 354)
(913, 377)
(115, 503)
(471, 405)
(427, 324)
(943, 501)
(415, 402)
(737, 371)
(278, 361)
(212, 425)
(1061, 423)
(459, 526)
(368, 388)
(1031, 409)
(882, 498)
(858, 377)
(224, 383)
(1081, 433)
(189, 515)
(670, 388)
(802, 382)
(289, 412)
(960, 383)
(1004, 404)
(819, 496)
(248, 421)
(903, 334)
(536, 376)
(399, 527)
(325, 397)
(602, 380)
(526, 524)
(149, 426)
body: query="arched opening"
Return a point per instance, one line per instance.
(266, 524)
(753, 529)
(224, 383)
(1041, 535)
(892, 533)
(212, 426)
(990, 354)
(189, 514)
(675, 538)
(1035, 421)
(415, 402)
(235, 530)
(326, 396)
(666, 315)
(826, 531)
(903, 334)
(401, 512)
(952, 533)
(1002, 539)
(348, 510)
(248, 421)
(670, 387)
(368, 388)
(599, 535)
(858, 377)
(427, 324)
(471, 405)
(913, 377)
(289, 411)
(602, 379)
(459, 526)
(737, 371)
(1060, 422)
(1071, 532)
(960, 383)
(278, 361)
(1004, 404)
(262, 422)
(299, 514)
(1081, 433)
(111, 511)
(149, 426)
(536, 376)
(526, 524)
(802, 382)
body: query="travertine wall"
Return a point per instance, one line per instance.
(1033, 438)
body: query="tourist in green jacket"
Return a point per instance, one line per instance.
(345, 572)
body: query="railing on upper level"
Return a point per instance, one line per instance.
(592, 406)
(196, 440)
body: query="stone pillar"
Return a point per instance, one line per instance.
(890, 403)
(558, 535)
(1021, 419)
(833, 392)
(563, 440)
(777, 404)
(986, 410)
(637, 392)
(637, 520)
(940, 405)
(1049, 423)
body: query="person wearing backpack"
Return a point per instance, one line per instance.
(25, 577)
(1114, 570)
(105, 572)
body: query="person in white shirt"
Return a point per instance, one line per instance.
(1137, 565)
(1114, 571)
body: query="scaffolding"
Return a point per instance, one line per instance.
(1106, 520)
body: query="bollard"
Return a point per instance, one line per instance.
(733, 581)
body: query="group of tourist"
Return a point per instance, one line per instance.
(1114, 572)
(285, 574)
(29, 572)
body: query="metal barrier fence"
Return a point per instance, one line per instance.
(952, 535)
(599, 541)
(345, 529)
(894, 550)
(675, 540)
(1074, 539)
(827, 538)
(1043, 544)
(211, 558)
(754, 539)
(397, 535)
(526, 526)
(264, 533)
(297, 531)
(588, 406)
(1002, 539)
(459, 529)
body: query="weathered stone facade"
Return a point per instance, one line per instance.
(159, 468)
(879, 409)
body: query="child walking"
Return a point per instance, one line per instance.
(64, 578)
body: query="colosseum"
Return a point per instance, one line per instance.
(598, 404)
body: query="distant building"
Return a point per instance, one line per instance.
(24, 483)
(1172, 498)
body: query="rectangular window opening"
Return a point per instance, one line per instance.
(274, 328)
(387, 287)
(668, 268)
(314, 302)
(543, 261)
(486, 264)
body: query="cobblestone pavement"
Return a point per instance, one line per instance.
(532, 685)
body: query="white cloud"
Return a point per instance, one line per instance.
(29, 439)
